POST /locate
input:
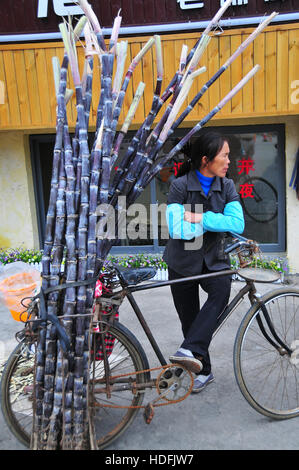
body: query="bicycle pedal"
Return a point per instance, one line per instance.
(148, 413)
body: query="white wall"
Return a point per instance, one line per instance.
(17, 220)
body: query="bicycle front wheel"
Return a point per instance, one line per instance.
(17, 392)
(116, 392)
(269, 378)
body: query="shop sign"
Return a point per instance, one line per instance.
(61, 8)
(66, 7)
(43, 16)
(187, 4)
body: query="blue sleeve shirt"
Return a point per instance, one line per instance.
(231, 219)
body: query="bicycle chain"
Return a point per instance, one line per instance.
(169, 402)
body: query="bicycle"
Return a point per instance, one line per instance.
(120, 374)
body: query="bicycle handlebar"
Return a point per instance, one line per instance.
(242, 242)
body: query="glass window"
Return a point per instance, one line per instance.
(255, 170)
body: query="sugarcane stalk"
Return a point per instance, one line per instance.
(115, 32)
(70, 295)
(78, 386)
(88, 72)
(52, 399)
(87, 87)
(46, 269)
(51, 343)
(120, 66)
(82, 261)
(86, 7)
(108, 129)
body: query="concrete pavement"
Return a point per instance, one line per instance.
(219, 418)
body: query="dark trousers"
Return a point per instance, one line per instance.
(198, 324)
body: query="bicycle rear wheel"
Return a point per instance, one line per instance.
(110, 396)
(269, 379)
(16, 392)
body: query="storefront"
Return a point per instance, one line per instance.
(261, 122)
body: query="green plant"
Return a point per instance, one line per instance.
(137, 261)
(20, 254)
(277, 264)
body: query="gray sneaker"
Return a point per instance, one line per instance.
(190, 362)
(201, 381)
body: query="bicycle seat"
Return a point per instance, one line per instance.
(132, 276)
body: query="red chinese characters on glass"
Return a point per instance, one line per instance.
(176, 167)
(245, 166)
(246, 190)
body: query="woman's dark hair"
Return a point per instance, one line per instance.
(207, 144)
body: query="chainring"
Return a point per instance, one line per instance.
(174, 383)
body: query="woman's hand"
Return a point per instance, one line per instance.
(192, 217)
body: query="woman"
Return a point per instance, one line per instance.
(202, 204)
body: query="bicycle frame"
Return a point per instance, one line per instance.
(249, 289)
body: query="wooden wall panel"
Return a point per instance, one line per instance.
(293, 67)
(259, 79)
(282, 71)
(4, 108)
(11, 87)
(34, 104)
(30, 101)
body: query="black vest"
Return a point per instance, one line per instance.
(187, 257)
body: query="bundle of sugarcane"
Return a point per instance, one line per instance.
(85, 186)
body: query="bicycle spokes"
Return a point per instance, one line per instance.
(266, 350)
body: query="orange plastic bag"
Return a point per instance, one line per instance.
(17, 281)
